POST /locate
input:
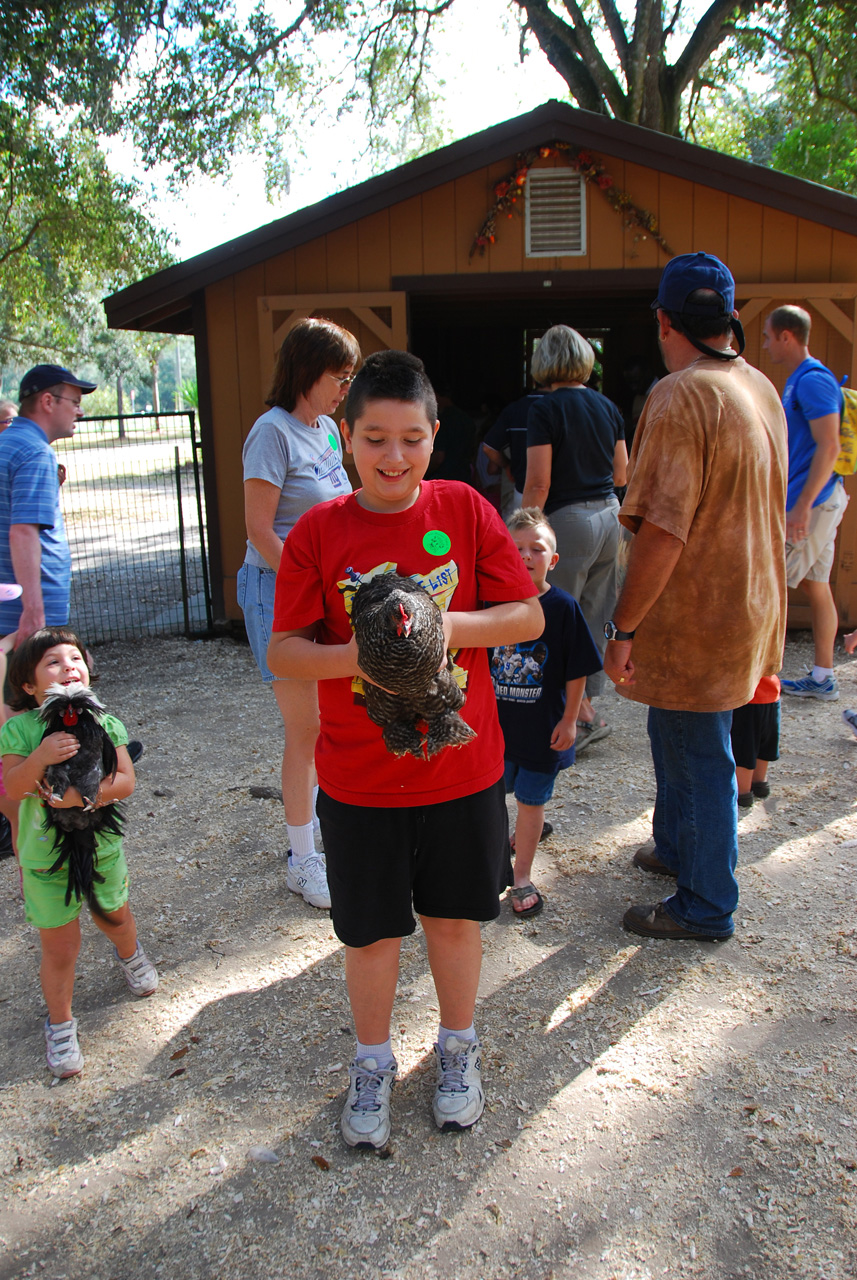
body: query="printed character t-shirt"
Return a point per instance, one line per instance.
(530, 679)
(303, 462)
(709, 466)
(456, 546)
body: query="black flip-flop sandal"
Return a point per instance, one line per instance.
(526, 891)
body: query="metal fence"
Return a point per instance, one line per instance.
(134, 512)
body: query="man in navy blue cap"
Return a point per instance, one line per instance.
(701, 617)
(33, 547)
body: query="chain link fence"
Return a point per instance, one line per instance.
(134, 513)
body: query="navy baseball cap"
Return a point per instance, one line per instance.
(43, 376)
(691, 271)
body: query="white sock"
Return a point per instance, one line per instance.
(382, 1053)
(316, 825)
(302, 841)
(821, 673)
(469, 1033)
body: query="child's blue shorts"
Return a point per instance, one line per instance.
(529, 786)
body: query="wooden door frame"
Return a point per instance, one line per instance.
(300, 306)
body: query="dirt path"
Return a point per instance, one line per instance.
(654, 1109)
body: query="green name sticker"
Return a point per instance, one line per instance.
(436, 542)
(332, 441)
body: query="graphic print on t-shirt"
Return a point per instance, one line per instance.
(439, 583)
(518, 671)
(328, 466)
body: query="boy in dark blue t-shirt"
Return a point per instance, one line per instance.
(539, 687)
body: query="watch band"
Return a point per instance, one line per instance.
(612, 632)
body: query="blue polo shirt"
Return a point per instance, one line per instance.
(810, 392)
(29, 494)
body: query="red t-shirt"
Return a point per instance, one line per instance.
(767, 690)
(456, 546)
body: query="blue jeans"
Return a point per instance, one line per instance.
(696, 817)
(255, 588)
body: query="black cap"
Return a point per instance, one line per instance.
(43, 376)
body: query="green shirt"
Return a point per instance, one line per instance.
(20, 736)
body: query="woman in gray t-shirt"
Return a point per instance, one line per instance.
(293, 460)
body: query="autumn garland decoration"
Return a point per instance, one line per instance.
(508, 190)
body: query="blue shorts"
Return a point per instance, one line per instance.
(256, 597)
(529, 786)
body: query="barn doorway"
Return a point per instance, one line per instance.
(477, 348)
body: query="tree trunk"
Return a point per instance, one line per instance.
(120, 404)
(156, 391)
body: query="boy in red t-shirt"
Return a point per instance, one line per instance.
(756, 741)
(403, 834)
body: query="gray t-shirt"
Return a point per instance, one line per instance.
(305, 463)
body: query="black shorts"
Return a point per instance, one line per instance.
(756, 733)
(449, 860)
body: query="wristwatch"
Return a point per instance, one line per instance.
(612, 632)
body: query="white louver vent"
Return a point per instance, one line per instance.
(556, 213)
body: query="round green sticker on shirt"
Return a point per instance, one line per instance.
(436, 542)
(331, 440)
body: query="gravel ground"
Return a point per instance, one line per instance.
(654, 1109)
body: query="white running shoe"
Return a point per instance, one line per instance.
(63, 1051)
(309, 879)
(139, 972)
(365, 1120)
(459, 1099)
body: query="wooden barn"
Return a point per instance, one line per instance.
(467, 255)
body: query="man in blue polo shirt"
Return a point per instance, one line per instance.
(33, 546)
(816, 498)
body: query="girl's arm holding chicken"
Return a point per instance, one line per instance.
(23, 775)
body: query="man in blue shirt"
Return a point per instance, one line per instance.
(33, 546)
(816, 498)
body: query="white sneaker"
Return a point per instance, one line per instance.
(139, 972)
(63, 1051)
(365, 1120)
(459, 1099)
(309, 879)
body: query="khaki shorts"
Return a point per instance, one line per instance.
(44, 891)
(812, 557)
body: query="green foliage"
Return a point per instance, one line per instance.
(190, 393)
(783, 129)
(66, 222)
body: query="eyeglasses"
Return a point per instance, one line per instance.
(76, 403)
(343, 382)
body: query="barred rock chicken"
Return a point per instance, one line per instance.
(74, 709)
(400, 644)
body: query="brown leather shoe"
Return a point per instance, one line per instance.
(655, 922)
(647, 860)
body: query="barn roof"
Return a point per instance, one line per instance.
(164, 301)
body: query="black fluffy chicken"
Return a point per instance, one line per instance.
(74, 709)
(400, 644)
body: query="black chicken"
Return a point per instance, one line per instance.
(74, 709)
(400, 644)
